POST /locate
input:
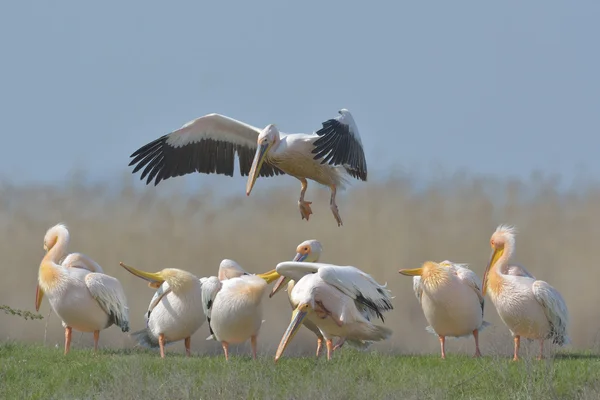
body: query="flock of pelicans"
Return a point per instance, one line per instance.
(333, 301)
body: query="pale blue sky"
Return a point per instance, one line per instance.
(494, 87)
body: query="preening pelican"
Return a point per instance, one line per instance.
(208, 145)
(83, 297)
(233, 307)
(451, 298)
(307, 251)
(340, 300)
(529, 307)
(174, 312)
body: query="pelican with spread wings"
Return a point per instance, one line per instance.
(339, 300)
(209, 144)
(529, 307)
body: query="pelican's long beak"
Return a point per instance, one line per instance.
(282, 281)
(269, 276)
(39, 295)
(257, 163)
(156, 279)
(412, 272)
(300, 257)
(297, 317)
(496, 254)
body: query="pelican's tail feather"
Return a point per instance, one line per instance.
(370, 332)
(145, 338)
(362, 345)
(484, 325)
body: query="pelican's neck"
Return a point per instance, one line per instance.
(59, 250)
(50, 274)
(498, 270)
(434, 277)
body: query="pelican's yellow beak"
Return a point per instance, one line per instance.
(282, 281)
(496, 254)
(269, 276)
(412, 272)
(257, 163)
(156, 279)
(297, 317)
(39, 295)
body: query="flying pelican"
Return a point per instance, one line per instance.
(79, 292)
(450, 295)
(208, 145)
(233, 307)
(174, 312)
(307, 251)
(340, 300)
(528, 307)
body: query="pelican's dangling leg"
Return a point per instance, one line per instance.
(476, 336)
(329, 344)
(187, 342)
(96, 338)
(67, 339)
(304, 206)
(517, 345)
(319, 345)
(333, 206)
(339, 344)
(161, 344)
(443, 346)
(253, 344)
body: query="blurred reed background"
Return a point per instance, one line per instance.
(388, 225)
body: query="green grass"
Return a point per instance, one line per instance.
(36, 372)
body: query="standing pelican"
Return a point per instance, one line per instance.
(83, 297)
(529, 307)
(233, 307)
(307, 251)
(208, 145)
(340, 300)
(450, 295)
(174, 312)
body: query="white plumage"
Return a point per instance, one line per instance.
(209, 144)
(529, 307)
(339, 300)
(82, 296)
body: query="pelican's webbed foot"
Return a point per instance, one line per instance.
(304, 207)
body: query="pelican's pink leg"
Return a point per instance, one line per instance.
(161, 344)
(333, 206)
(304, 206)
(443, 346)
(96, 338)
(339, 344)
(517, 345)
(329, 344)
(476, 336)
(225, 350)
(253, 343)
(67, 339)
(541, 356)
(187, 342)
(319, 345)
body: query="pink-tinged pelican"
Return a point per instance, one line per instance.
(529, 307)
(339, 300)
(79, 292)
(174, 312)
(451, 298)
(233, 307)
(208, 145)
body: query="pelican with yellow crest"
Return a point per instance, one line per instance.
(209, 144)
(339, 300)
(80, 293)
(233, 306)
(451, 299)
(529, 307)
(175, 311)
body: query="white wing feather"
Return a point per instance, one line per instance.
(555, 309)
(210, 288)
(109, 294)
(80, 260)
(163, 290)
(216, 127)
(417, 287)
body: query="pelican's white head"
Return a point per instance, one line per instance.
(230, 269)
(307, 251)
(268, 138)
(58, 231)
(502, 243)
